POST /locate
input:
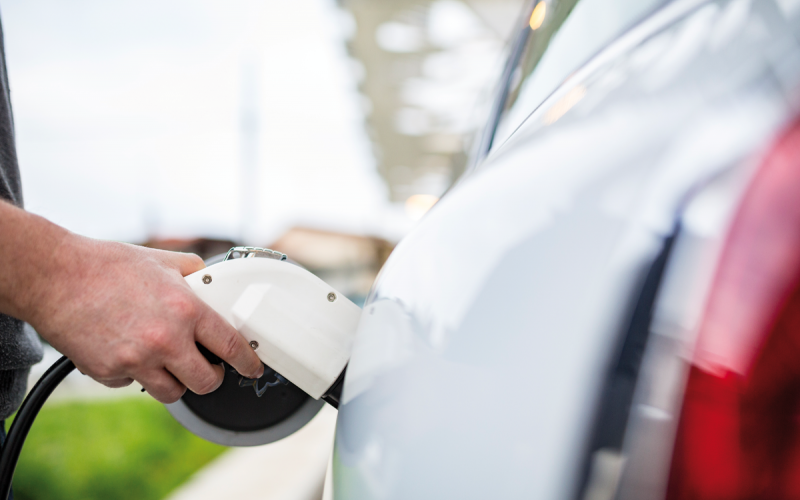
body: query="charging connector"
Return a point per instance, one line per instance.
(298, 325)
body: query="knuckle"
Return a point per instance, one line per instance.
(124, 383)
(208, 385)
(117, 383)
(183, 306)
(157, 339)
(102, 372)
(129, 359)
(175, 393)
(195, 260)
(168, 394)
(230, 347)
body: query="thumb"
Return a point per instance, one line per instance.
(186, 263)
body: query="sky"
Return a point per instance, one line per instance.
(187, 118)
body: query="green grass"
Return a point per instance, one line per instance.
(120, 449)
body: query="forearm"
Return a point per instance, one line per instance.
(120, 312)
(29, 245)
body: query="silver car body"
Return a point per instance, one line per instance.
(485, 345)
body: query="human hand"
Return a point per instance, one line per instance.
(124, 313)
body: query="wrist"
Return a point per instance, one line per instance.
(42, 264)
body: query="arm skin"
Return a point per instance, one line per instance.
(119, 312)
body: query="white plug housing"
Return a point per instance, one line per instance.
(300, 326)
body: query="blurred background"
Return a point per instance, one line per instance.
(324, 129)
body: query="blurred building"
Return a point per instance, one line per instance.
(349, 262)
(426, 70)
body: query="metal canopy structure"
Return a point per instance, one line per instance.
(426, 73)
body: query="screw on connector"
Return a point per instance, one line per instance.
(207, 279)
(253, 345)
(331, 297)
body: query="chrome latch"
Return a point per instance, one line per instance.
(252, 253)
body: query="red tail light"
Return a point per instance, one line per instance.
(739, 431)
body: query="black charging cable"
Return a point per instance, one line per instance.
(24, 419)
(9, 455)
